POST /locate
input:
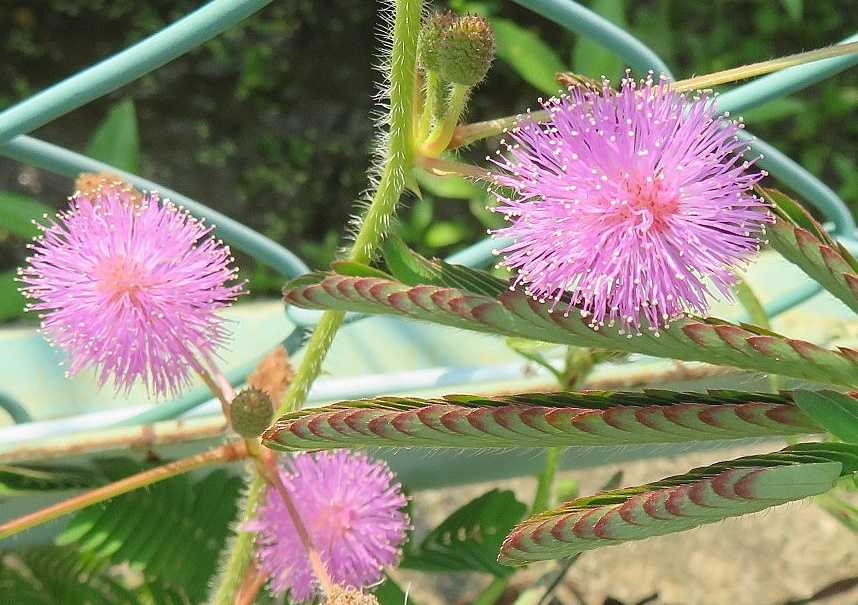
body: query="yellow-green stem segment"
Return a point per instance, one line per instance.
(442, 133)
(398, 162)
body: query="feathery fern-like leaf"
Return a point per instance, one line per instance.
(172, 531)
(468, 540)
(514, 314)
(703, 495)
(541, 420)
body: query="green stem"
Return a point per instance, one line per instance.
(492, 592)
(430, 107)
(240, 552)
(398, 162)
(757, 314)
(546, 480)
(443, 131)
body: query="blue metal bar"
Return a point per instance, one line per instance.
(126, 66)
(785, 82)
(62, 161)
(578, 19)
(807, 186)
(16, 411)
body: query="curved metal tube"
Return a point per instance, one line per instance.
(125, 66)
(62, 161)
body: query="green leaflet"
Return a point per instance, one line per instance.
(173, 530)
(703, 495)
(836, 412)
(468, 540)
(116, 141)
(21, 478)
(803, 242)
(541, 420)
(514, 314)
(48, 575)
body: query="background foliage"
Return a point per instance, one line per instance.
(247, 125)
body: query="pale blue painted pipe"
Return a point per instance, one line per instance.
(126, 66)
(62, 161)
(785, 82)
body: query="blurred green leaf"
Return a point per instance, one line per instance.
(591, 58)
(452, 187)
(11, 301)
(17, 213)
(389, 593)
(116, 141)
(794, 8)
(445, 233)
(836, 412)
(469, 539)
(531, 58)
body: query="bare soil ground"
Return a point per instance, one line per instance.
(777, 557)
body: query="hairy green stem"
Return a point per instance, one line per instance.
(442, 133)
(397, 165)
(541, 500)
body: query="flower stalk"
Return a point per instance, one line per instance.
(471, 133)
(397, 165)
(229, 452)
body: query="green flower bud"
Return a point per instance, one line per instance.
(460, 49)
(251, 412)
(467, 51)
(431, 37)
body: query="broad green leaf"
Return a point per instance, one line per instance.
(794, 8)
(18, 478)
(835, 412)
(468, 540)
(17, 213)
(355, 269)
(452, 187)
(593, 59)
(409, 267)
(703, 495)
(803, 241)
(12, 302)
(444, 233)
(558, 419)
(475, 300)
(116, 141)
(531, 58)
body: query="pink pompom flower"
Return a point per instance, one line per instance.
(628, 205)
(352, 509)
(131, 287)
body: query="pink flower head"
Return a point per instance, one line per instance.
(352, 509)
(627, 204)
(131, 287)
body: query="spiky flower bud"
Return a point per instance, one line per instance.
(251, 412)
(460, 49)
(467, 51)
(431, 38)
